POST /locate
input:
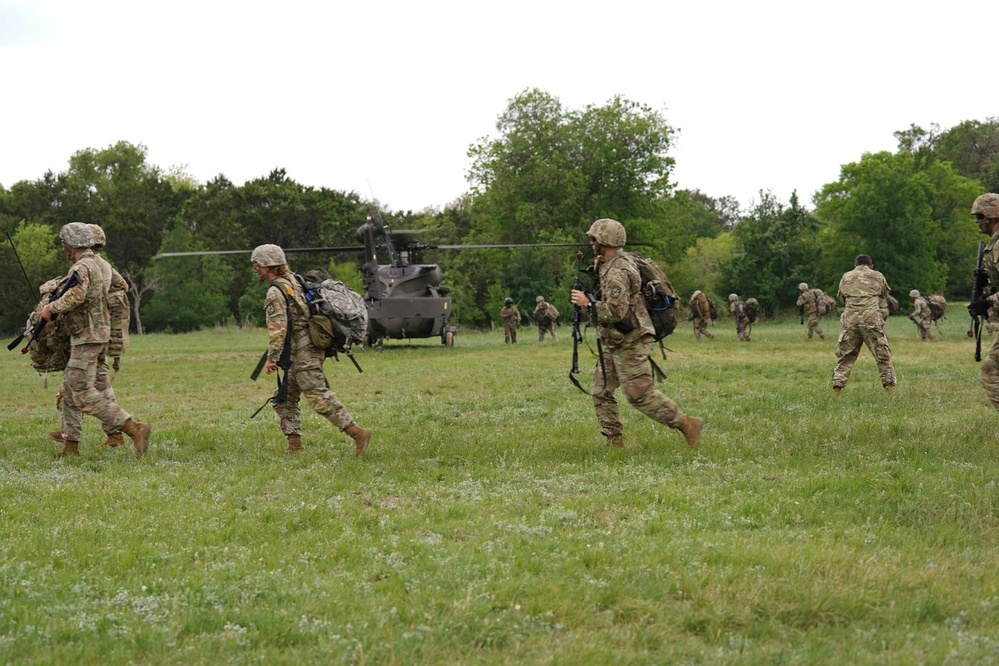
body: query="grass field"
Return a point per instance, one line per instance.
(489, 524)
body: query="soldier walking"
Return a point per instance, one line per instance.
(922, 315)
(862, 324)
(986, 212)
(701, 312)
(625, 331)
(85, 307)
(809, 300)
(511, 321)
(738, 310)
(287, 315)
(546, 316)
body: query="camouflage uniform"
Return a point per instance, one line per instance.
(862, 324)
(85, 382)
(922, 315)
(545, 315)
(626, 355)
(306, 374)
(511, 321)
(702, 315)
(113, 282)
(809, 300)
(738, 310)
(990, 263)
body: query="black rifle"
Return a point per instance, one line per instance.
(577, 334)
(33, 332)
(981, 280)
(801, 311)
(284, 363)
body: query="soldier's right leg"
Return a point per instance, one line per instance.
(290, 416)
(71, 427)
(113, 435)
(605, 382)
(847, 349)
(990, 374)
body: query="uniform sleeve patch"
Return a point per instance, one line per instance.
(615, 292)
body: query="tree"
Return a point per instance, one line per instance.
(973, 149)
(776, 247)
(904, 211)
(193, 290)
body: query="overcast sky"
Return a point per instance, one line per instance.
(384, 98)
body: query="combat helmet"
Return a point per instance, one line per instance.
(508, 301)
(914, 293)
(987, 205)
(733, 297)
(608, 232)
(539, 299)
(77, 235)
(803, 286)
(268, 255)
(100, 240)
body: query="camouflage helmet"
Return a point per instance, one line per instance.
(608, 232)
(914, 293)
(99, 237)
(539, 299)
(268, 255)
(77, 234)
(696, 292)
(508, 301)
(733, 297)
(803, 286)
(987, 205)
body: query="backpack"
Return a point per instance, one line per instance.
(338, 315)
(661, 299)
(49, 351)
(821, 304)
(938, 306)
(752, 310)
(551, 312)
(713, 308)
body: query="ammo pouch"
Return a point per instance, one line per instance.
(624, 326)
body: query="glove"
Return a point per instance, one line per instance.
(979, 308)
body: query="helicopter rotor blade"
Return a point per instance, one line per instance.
(206, 253)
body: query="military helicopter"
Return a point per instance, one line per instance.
(405, 300)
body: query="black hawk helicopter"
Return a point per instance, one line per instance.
(405, 300)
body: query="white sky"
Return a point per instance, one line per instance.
(385, 97)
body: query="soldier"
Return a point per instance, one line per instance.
(511, 321)
(625, 331)
(545, 315)
(115, 284)
(738, 310)
(922, 315)
(862, 324)
(288, 315)
(701, 313)
(85, 307)
(809, 302)
(986, 212)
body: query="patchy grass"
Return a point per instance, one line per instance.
(488, 523)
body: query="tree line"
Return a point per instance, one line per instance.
(547, 173)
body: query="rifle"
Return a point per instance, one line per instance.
(284, 363)
(801, 311)
(981, 279)
(577, 334)
(33, 332)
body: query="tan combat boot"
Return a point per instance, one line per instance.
(295, 444)
(837, 390)
(139, 432)
(691, 429)
(361, 437)
(114, 439)
(69, 448)
(616, 441)
(890, 390)
(56, 435)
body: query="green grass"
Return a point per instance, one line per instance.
(489, 524)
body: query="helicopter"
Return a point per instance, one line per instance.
(405, 300)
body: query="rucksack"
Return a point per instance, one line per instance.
(938, 306)
(338, 315)
(661, 299)
(752, 310)
(49, 350)
(551, 312)
(821, 304)
(713, 308)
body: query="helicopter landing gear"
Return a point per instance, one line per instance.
(447, 336)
